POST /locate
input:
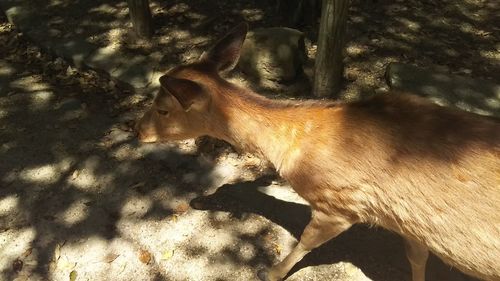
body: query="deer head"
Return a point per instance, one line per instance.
(183, 106)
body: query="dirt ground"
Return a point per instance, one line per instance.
(457, 37)
(80, 199)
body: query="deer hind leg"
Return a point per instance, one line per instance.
(417, 254)
(320, 229)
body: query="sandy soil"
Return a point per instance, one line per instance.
(80, 199)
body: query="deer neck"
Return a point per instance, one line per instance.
(259, 126)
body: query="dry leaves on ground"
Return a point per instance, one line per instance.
(145, 256)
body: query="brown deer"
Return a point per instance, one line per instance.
(429, 173)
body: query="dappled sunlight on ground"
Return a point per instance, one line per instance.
(449, 36)
(79, 194)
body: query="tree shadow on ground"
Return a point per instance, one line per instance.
(50, 119)
(378, 253)
(70, 166)
(453, 37)
(98, 29)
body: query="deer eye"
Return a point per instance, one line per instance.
(162, 112)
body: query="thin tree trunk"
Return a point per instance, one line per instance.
(140, 14)
(328, 68)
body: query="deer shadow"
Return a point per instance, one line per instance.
(378, 253)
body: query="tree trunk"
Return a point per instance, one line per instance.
(140, 14)
(328, 67)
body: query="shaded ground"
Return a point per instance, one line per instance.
(78, 194)
(459, 37)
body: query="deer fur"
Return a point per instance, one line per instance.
(429, 173)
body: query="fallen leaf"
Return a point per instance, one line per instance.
(75, 174)
(167, 254)
(144, 256)
(138, 185)
(17, 265)
(65, 264)
(109, 258)
(123, 268)
(141, 187)
(174, 217)
(181, 208)
(73, 275)
(57, 252)
(27, 252)
(277, 248)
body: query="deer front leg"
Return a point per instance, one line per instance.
(417, 254)
(320, 229)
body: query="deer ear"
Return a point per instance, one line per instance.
(226, 52)
(189, 94)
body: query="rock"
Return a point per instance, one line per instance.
(475, 95)
(276, 53)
